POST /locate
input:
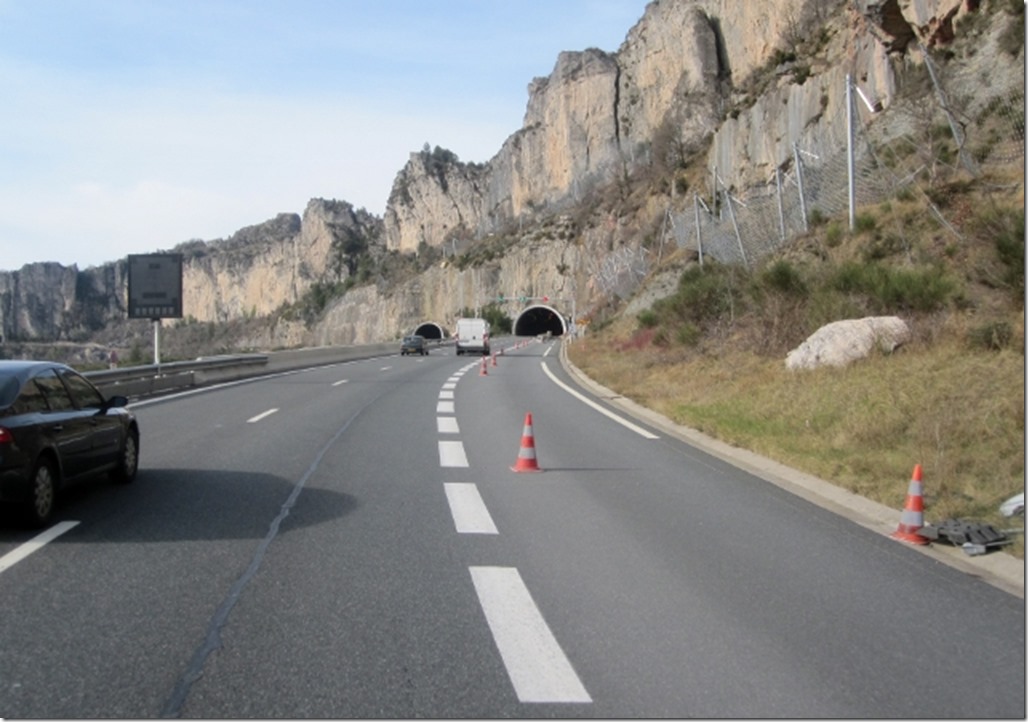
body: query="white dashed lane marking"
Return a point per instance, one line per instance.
(447, 425)
(451, 454)
(536, 665)
(258, 417)
(470, 515)
(34, 544)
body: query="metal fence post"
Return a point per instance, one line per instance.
(849, 154)
(781, 209)
(799, 183)
(735, 225)
(699, 232)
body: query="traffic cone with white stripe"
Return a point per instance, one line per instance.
(482, 370)
(494, 358)
(526, 454)
(912, 518)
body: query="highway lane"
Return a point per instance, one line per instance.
(105, 620)
(321, 544)
(735, 597)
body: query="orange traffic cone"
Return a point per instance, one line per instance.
(482, 371)
(912, 519)
(526, 454)
(494, 359)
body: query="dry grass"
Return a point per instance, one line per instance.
(959, 411)
(955, 406)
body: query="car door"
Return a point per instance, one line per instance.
(66, 428)
(105, 427)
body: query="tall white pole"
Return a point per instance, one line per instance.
(157, 342)
(849, 153)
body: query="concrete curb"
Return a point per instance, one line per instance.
(996, 568)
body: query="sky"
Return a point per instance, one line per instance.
(130, 126)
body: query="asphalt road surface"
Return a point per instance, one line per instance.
(352, 541)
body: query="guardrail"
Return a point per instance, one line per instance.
(150, 380)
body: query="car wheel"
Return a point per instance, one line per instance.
(43, 493)
(128, 464)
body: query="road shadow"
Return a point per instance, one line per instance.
(184, 505)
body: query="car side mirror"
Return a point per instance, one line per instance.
(116, 401)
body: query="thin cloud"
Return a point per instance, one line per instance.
(131, 127)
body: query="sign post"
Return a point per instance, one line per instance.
(155, 291)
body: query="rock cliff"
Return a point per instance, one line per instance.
(729, 85)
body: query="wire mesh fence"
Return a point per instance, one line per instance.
(948, 130)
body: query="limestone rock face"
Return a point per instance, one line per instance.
(842, 342)
(703, 79)
(599, 114)
(261, 267)
(897, 23)
(434, 198)
(570, 134)
(252, 273)
(38, 300)
(671, 69)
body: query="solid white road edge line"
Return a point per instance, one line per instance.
(606, 412)
(535, 662)
(34, 544)
(470, 514)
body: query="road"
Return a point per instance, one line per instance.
(351, 541)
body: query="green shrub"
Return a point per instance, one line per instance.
(688, 335)
(1010, 248)
(880, 247)
(705, 293)
(890, 289)
(834, 234)
(782, 276)
(648, 318)
(864, 222)
(500, 322)
(991, 337)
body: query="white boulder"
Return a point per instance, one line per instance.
(842, 342)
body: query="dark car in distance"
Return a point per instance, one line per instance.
(413, 344)
(56, 427)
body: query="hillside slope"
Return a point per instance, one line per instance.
(711, 355)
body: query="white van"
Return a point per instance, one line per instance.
(472, 336)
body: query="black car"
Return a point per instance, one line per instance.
(56, 427)
(413, 344)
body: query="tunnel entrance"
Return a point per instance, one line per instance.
(538, 320)
(430, 330)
